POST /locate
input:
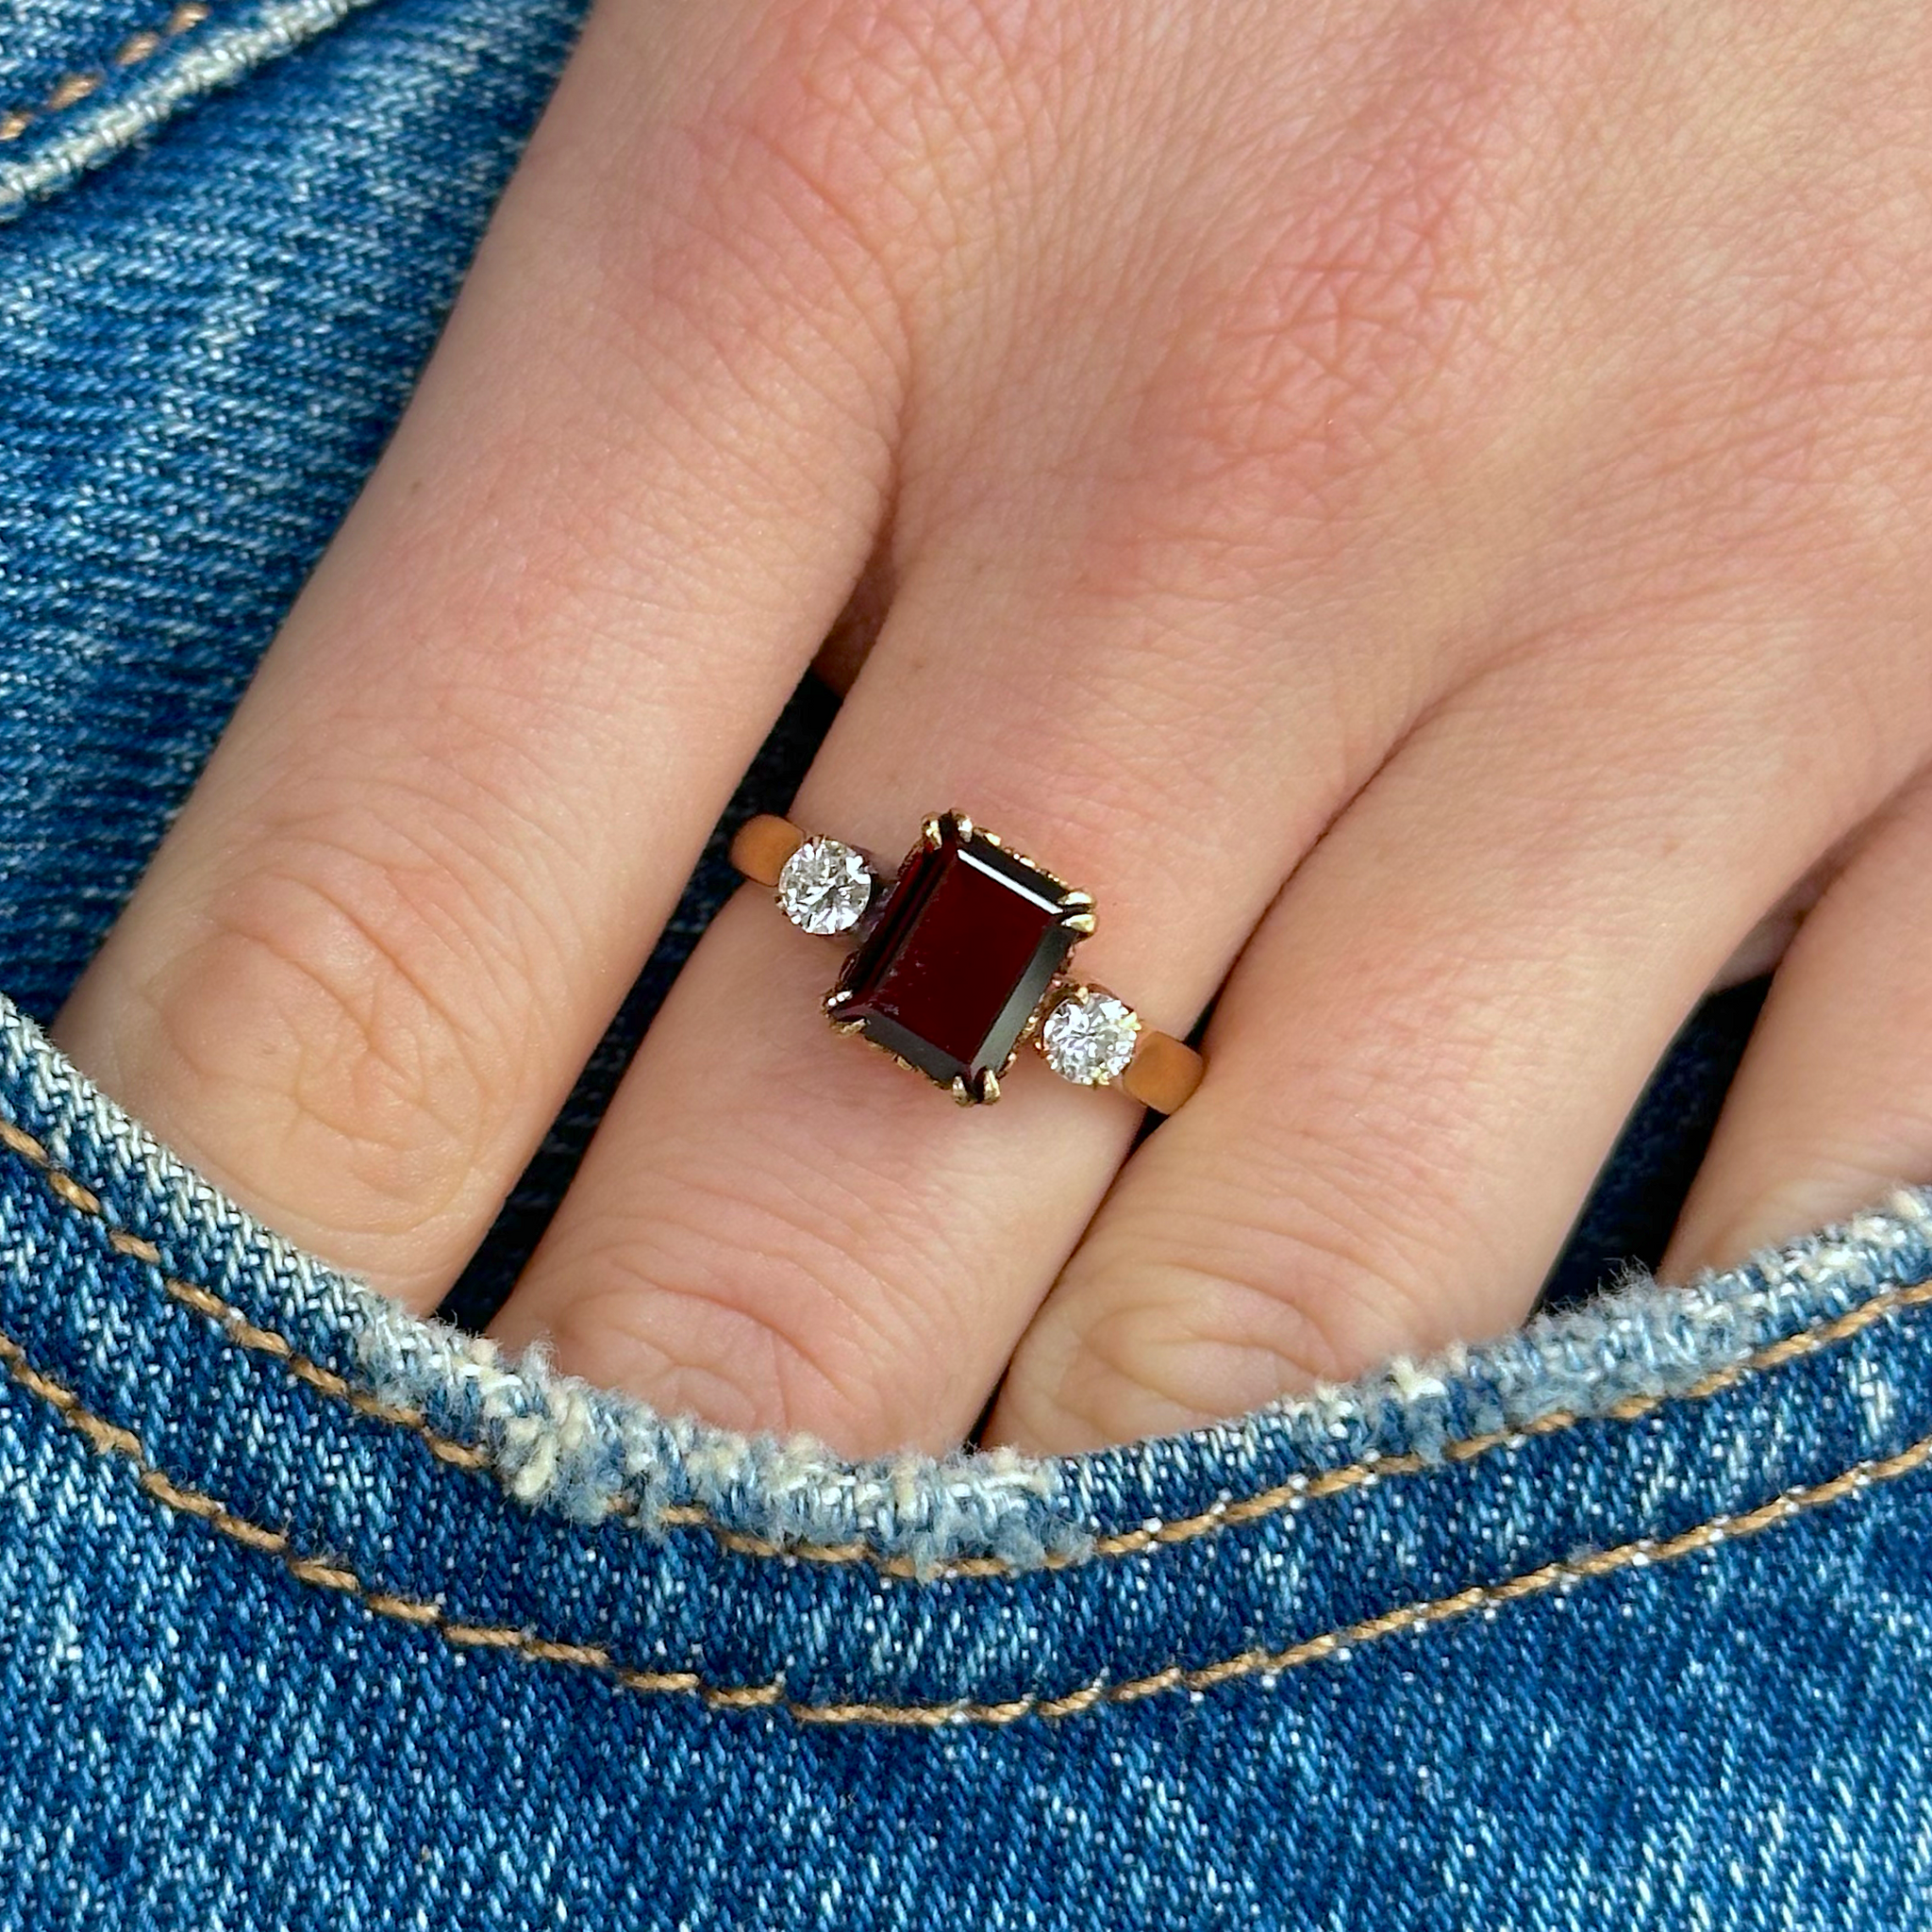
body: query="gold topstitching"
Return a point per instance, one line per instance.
(109, 1439)
(1240, 1511)
(78, 83)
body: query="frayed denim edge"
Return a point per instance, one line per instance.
(69, 141)
(559, 1445)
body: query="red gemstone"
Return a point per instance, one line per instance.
(964, 948)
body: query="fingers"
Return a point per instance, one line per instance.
(1421, 1061)
(1833, 1103)
(642, 476)
(1128, 535)
(776, 1227)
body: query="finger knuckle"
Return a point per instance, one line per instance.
(1792, 449)
(865, 129)
(752, 1306)
(335, 1040)
(1235, 1295)
(1348, 310)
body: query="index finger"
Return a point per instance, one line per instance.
(641, 476)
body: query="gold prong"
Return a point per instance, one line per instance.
(930, 830)
(963, 826)
(1058, 993)
(988, 1086)
(1078, 922)
(961, 1092)
(848, 1025)
(1077, 902)
(990, 837)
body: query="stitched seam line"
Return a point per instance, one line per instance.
(1238, 1511)
(111, 1441)
(78, 83)
(231, 1321)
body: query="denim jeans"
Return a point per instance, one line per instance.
(315, 1615)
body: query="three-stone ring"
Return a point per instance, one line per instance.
(960, 958)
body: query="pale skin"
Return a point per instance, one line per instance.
(1423, 508)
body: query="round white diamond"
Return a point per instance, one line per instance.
(825, 886)
(1088, 1038)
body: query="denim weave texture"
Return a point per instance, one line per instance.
(312, 1615)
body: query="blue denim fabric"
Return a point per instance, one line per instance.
(314, 1615)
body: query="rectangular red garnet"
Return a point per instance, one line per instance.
(964, 947)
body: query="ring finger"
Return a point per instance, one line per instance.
(777, 1230)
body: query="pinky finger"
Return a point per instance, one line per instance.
(1833, 1103)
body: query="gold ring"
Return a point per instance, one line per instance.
(960, 958)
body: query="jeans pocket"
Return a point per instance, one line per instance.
(1619, 1620)
(89, 80)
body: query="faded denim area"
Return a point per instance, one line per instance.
(315, 1616)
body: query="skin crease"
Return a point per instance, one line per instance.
(1418, 504)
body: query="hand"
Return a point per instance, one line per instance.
(1421, 506)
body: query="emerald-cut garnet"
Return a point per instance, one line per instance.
(964, 947)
